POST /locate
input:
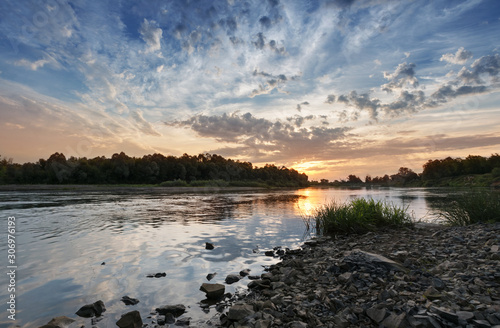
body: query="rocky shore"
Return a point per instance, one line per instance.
(426, 276)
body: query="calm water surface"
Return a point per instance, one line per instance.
(63, 238)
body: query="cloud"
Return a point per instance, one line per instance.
(361, 102)
(485, 66)
(151, 34)
(260, 41)
(273, 82)
(330, 99)
(299, 106)
(32, 65)
(261, 137)
(402, 76)
(298, 120)
(143, 125)
(265, 22)
(460, 57)
(469, 81)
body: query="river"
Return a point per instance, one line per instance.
(76, 247)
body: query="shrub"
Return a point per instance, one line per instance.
(358, 216)
(476, 206)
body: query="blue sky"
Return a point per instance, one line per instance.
(327, 87)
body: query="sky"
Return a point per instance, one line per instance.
(330, 88)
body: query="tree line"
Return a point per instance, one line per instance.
(432, 170)
(149, 169)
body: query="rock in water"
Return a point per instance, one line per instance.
(210, 276)
(232, 278)
(213, 291)
(175, 310)
(91, 310)
(130, 320)
(245, 272)
(209, 246)
(58, 322)
(129, 300)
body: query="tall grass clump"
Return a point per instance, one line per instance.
(358, 216)
(476, 206)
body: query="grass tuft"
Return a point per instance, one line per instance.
(358, 216)
(476, 206)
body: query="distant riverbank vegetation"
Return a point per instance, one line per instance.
(204, 170)
(475, 171)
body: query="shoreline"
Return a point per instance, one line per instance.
(428, 276)
(121, 188)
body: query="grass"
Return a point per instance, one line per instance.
(475, 206)
(358, 216)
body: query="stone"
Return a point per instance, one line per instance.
(169, 318)
(213, 291)
(345, 277)
(129, 300)
(240, 311)
(445, 314)
(156, 275)
(297, 324)
(91, 310)
(263, 323)
(209, 246)
(465, 315)
(245, 272)
(481, 323)
(378, 260)
(176, 310)
(232, 278)
(376, 314)
(183, 322)
(438, 283)
(432, 293)
(210, 276)
(130, 320)
(59, 322)
(394, 320)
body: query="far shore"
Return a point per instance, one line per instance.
(123, 188)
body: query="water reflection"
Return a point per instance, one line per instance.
(65, 236)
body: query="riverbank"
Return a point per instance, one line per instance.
(123, 188)
(427, 276)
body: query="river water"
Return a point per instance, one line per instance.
(76, 247)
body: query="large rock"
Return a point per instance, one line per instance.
(59, 322)
(376, 259)
(213, 291)
(130, 320)
(176, 310)
(91, 310)
(240, 311)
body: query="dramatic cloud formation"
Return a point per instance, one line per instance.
(264, 138)
(460, 57)
(402, 76)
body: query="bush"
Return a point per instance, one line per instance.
(496, 172)
(477, 206)
(358, 216)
